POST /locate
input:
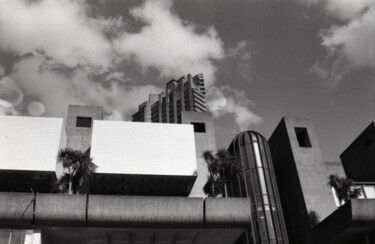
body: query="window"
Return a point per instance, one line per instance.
(199, 127)
(302, 137)
(84, 122)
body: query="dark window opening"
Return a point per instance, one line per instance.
(303, 137)
(199, 127)
(84, 122)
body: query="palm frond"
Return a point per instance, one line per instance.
(67, 157)
(62, 185)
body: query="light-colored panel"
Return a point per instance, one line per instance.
(143, 148)
(29, 143)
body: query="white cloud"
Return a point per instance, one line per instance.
(242, 54)
(226, 100)
(60, 30)
(56, 90)
(170, 44)
(65, 47)
(10, 92)
(2, 71)
(351, 43)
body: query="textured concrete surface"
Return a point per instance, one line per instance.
(60, 209)
(29, 143)
(144, 211)
(228, 212)
(348, 224)
(105, 211)
(359, 158)
(79, 138)
(59, 235)
(16, 209)
(302, 178)
(203, 141)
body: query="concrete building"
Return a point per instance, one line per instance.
(184, 102)
(28, 149)
(257, 181)
(181, 95)
(301, 175)
(359, 158)
(140, 158)
(78, 125)
(148, 158)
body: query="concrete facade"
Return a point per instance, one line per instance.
(184, 102)
(203, 141)
(301, 175)
(79, 137)
(28, 150)
(359, 158)
(29, 143)
(145, 147)
(126, 219)
(181, 95)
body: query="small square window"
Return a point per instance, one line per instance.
(302, 137)
(199, 127)
(84, 122)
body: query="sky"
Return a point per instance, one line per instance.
(261, 60)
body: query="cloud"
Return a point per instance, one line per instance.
(350, 44)
(61, 30)
(10, 92)
(2, 71)
(56, 90)
(242, 54)
(68, 55)
(226, 100)
(169, 44)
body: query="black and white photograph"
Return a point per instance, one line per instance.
(187, 121)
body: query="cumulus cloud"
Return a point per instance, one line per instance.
(2, 71)
(226, 100)
(242, 54)
(68, 55)
(61, 30)
(350, 44)
(169, 44)
(56, 90)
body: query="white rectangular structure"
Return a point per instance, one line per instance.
(29, 143)
(119, 147)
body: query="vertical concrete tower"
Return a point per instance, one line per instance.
(79, 125)
(302, 176)
(258, 182)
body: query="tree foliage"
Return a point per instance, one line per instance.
(79, 167)
(222, 167)
(344, 188)
(313, 218)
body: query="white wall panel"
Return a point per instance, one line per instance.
(29, 143)
(143, 148)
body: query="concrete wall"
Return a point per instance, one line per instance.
(203, 141)
(16, 210)
(28, 143)
(359, 158)
(79, 138)
(143, 148)
(302, 178)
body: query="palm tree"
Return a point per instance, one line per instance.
(345, 189)
(222, 168)
(79, 167)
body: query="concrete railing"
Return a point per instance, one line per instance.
(24, 210)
